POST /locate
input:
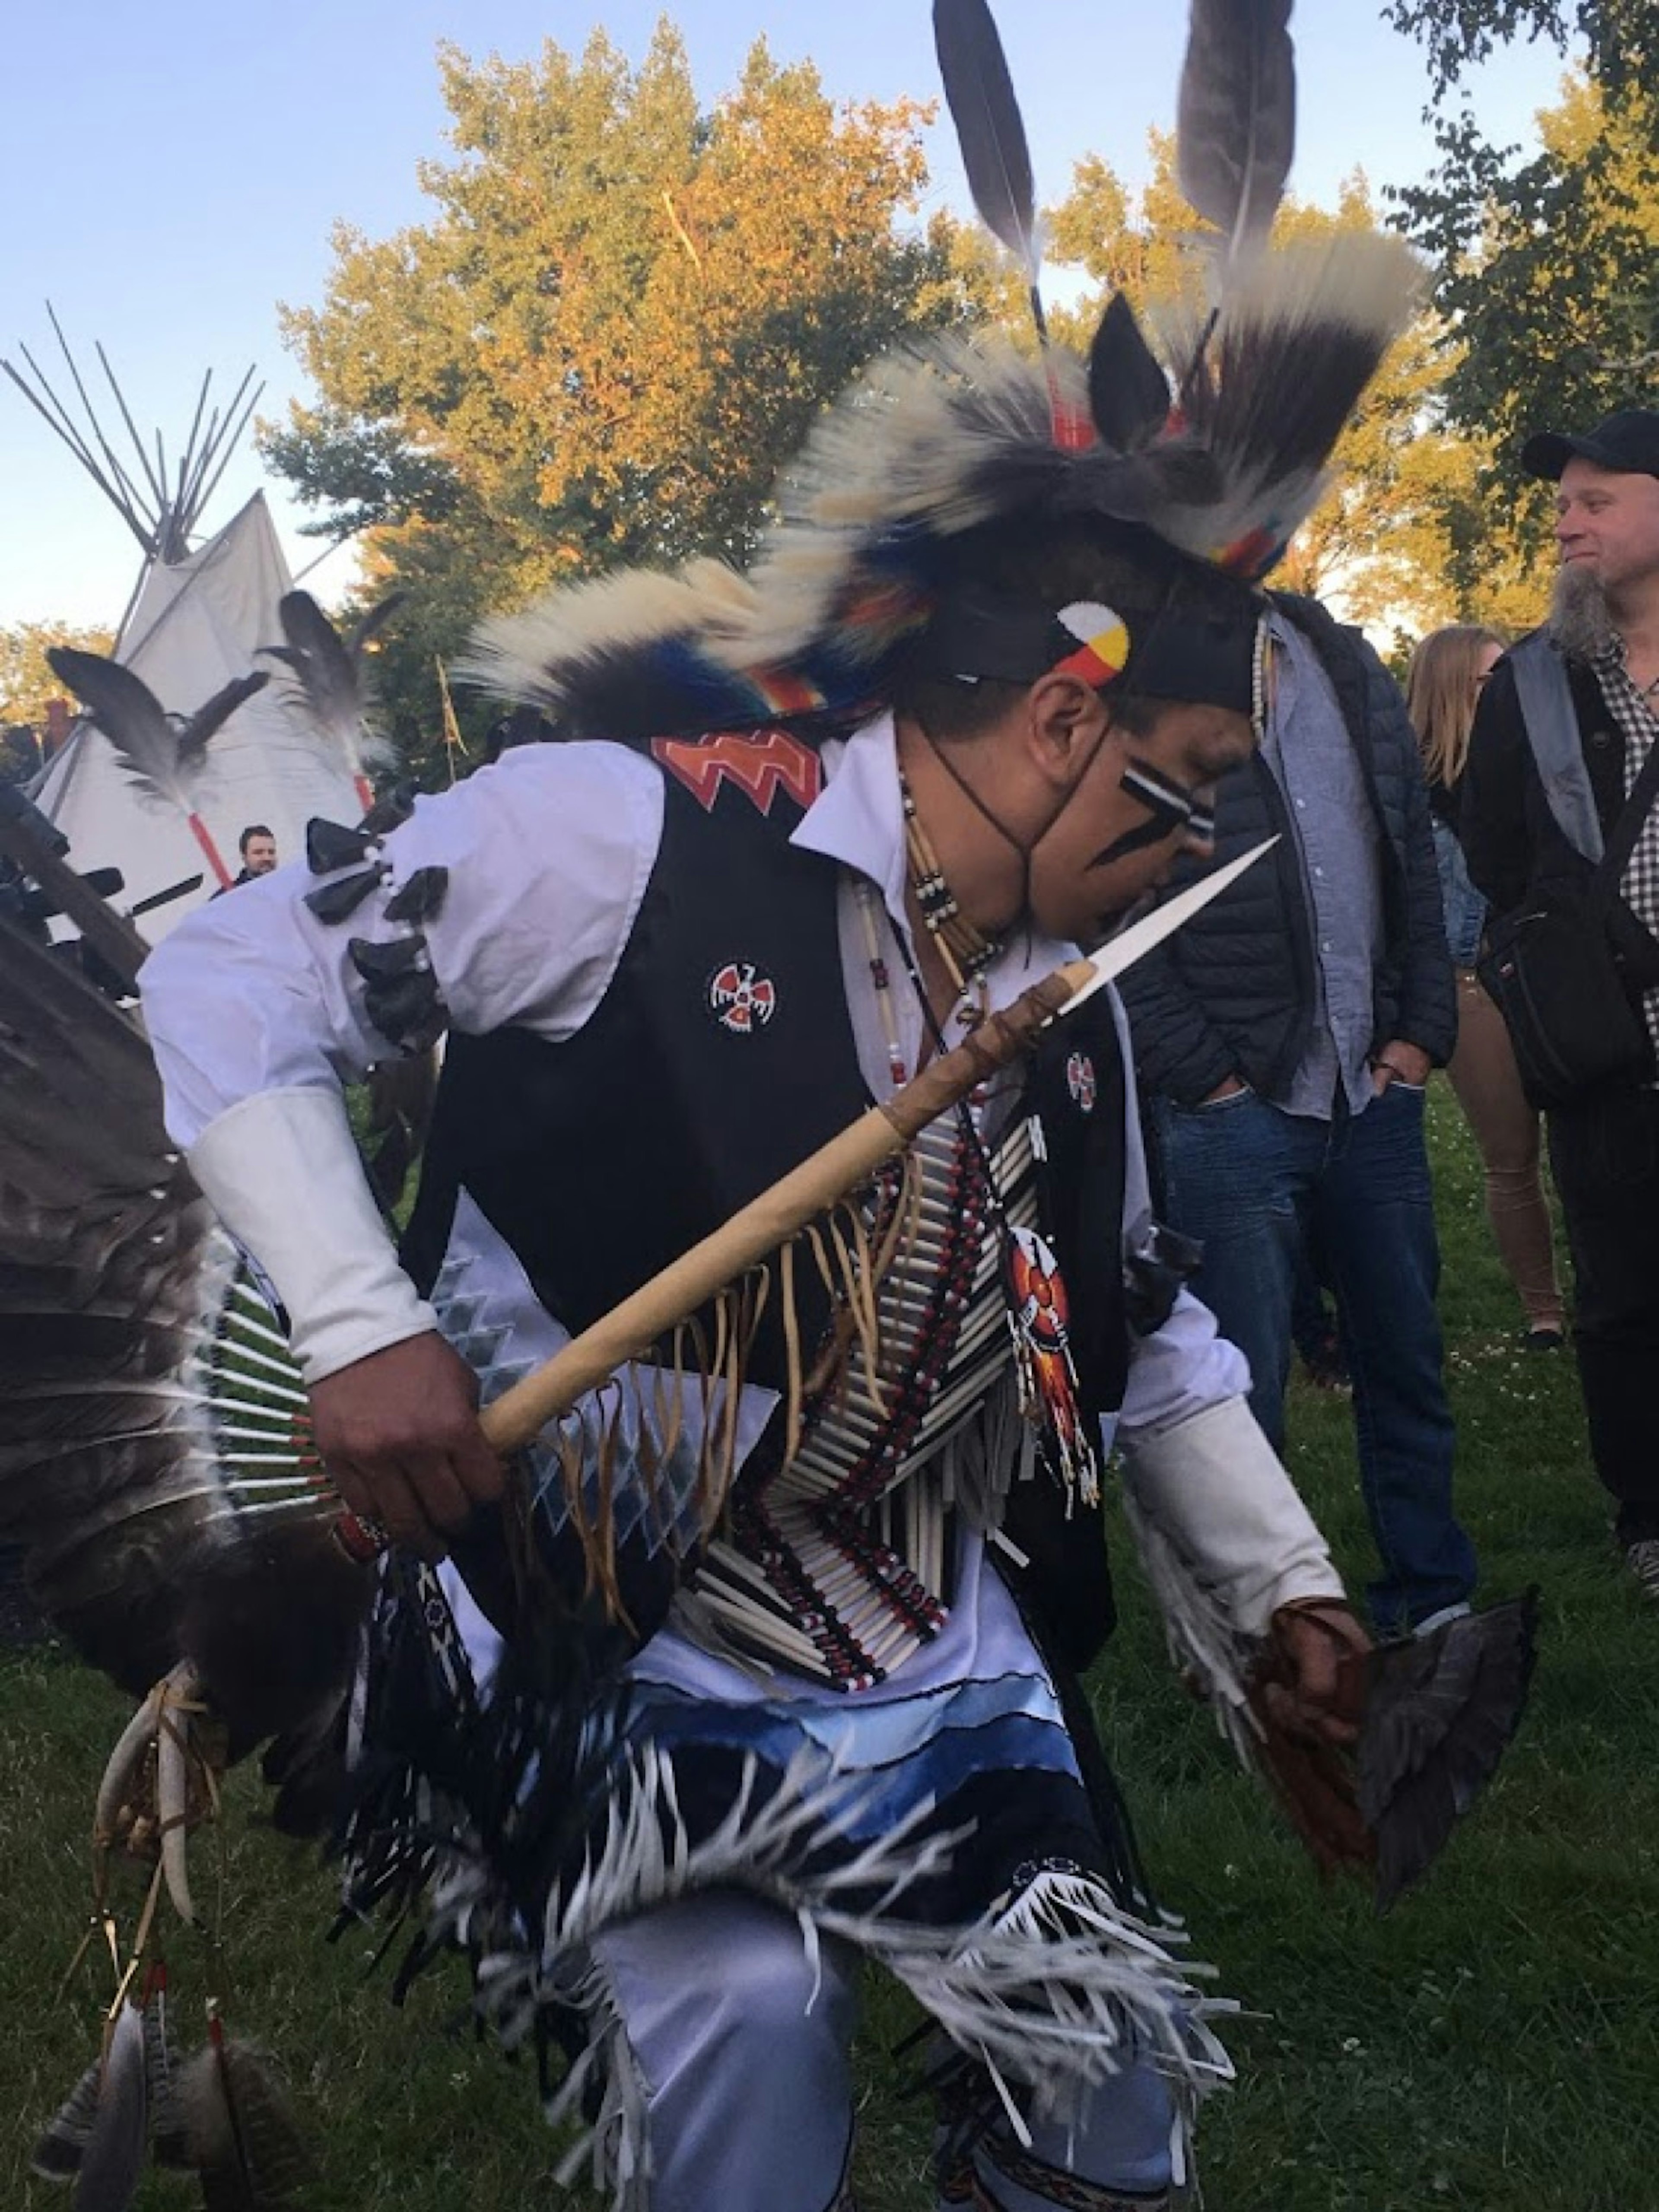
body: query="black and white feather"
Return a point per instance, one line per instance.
(990, 129)
(329, 671)
(163, 755)
(1236, 127)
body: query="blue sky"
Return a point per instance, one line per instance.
(174, 171)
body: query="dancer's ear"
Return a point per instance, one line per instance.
(1062, 721)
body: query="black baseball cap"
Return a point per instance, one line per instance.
(1628, 442)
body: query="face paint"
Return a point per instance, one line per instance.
(1171, 806)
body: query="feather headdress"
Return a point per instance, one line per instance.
(1197, 450)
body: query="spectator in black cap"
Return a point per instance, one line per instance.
(1566, 724)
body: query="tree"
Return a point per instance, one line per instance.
(26, 678)
(1547, 267)
(1385, 540)
(622, 316)
(27, 683)
(1620, 38)
(1549, 272)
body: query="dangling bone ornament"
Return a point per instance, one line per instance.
(162, 1780)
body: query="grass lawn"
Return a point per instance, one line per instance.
(1493, 2045)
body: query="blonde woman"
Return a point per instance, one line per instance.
(1442, 688)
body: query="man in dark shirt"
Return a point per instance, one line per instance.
(1564, 726)
(258, 847)
(1285, 1046)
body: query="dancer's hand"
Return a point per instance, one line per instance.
(398, 1433)
(1324, 1648)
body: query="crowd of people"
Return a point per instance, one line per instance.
(1284, 1040)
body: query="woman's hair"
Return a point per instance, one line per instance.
(1440, 696)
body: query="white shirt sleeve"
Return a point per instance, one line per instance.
(548, 855)
(256, 1012)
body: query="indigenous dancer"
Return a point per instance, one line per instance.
(766, 1658)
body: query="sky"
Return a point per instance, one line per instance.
(173, 172)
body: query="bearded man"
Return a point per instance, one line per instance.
(1565, 724)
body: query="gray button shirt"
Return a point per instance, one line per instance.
(1339, 844)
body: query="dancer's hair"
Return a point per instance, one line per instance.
(1441, 690)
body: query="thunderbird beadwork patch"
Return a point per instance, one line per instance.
(739, 999)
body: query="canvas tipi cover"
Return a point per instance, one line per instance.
(197, 625)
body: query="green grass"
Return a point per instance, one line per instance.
(1493, 2045)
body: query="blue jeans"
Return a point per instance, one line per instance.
(1251, 1182)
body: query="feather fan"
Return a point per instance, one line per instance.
(1434, 1716)
(331, 681)
(1440, 1712)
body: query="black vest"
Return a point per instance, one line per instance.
(721, 1057)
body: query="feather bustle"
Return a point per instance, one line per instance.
(121, 1327)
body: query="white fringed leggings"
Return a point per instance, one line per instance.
(746, 2053)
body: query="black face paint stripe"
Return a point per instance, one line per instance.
(1134, 841)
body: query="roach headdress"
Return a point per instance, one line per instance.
(1187, 462)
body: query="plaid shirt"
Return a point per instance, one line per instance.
(1638, 724)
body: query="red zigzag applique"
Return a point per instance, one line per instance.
(761, 762)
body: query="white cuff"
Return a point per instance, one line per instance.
(281, 1169)
(1213, 1486)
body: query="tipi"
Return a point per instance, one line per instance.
(197, 621)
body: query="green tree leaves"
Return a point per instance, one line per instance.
(620, 318)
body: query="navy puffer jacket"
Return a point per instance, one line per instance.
(1232, 994)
